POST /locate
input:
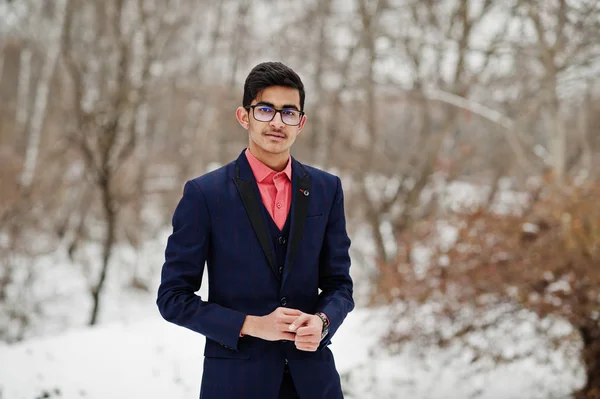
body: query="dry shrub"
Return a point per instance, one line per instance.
(544, 258)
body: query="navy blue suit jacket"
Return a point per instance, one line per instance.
(219, 221)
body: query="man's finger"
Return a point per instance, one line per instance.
(288, 336)
(307, 330)
(302, 345)
(288, 319)
(299, 321)
(307, 339)
(291, 312)
(307, 347)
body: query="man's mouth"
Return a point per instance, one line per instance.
(277, 135)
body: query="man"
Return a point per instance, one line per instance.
(273, 235)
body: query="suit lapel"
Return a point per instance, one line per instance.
(248, 193)
(300, 198)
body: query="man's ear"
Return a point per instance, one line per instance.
(241, 115)
(302, 122)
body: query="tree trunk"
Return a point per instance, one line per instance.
(1, 62)
(590, 334)
(23, 90)
(41, 98)
(317, 138)
(109, 240)
(558, 141)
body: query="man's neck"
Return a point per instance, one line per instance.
(277, 162)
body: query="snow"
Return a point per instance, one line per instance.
(120, 360)
(155, 359)
(147, 359)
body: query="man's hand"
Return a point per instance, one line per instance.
(272, 327)
(308, 330)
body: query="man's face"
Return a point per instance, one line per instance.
(275, 136)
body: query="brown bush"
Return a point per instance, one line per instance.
(544, 257)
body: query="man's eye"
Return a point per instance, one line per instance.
(289, 112)
(265, 109)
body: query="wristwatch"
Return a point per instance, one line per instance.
(325, 320)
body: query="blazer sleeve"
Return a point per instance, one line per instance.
(335, 282)
(181, 276)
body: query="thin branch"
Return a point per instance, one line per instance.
(489, 114)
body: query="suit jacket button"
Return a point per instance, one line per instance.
(280, 269)
(281, 240)
(283, 301)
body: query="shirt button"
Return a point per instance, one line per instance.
(278, 205)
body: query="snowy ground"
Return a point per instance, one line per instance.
(154, 359)
(147, 359)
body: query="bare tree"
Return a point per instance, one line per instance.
(538, 254)
(408, 155)
(108, 102)
(41, 92)
(563, 46)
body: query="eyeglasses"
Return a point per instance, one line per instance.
(264, 113)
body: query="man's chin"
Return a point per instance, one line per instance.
(276, 145)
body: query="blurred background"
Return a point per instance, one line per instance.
(466, 134)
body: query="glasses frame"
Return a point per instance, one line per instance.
(277, 111)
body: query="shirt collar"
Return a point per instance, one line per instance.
(262, 171)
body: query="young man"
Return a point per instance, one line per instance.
(272, 232)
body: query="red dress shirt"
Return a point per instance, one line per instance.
(275, 188)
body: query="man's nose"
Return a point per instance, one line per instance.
(277, 121)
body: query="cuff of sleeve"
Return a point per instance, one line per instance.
(334, 317)
(236, 322)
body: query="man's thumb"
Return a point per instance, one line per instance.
(299, 321)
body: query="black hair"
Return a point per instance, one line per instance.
(269, 74)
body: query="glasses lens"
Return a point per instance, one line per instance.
(263, 113)
(290, 117)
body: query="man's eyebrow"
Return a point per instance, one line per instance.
(268, 104)
(285, 106)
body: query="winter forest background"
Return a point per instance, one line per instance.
(466, 134)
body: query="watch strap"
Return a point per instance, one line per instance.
(326, 323)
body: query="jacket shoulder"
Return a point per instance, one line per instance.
(213, 178)
(317, 173)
